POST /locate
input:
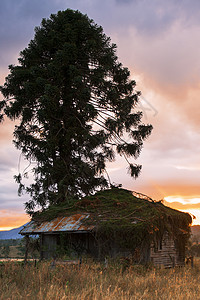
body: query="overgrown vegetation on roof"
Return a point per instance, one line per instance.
(118, 213)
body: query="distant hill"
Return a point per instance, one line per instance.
(195, 230)
(11, 234)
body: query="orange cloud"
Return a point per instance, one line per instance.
(160, 190)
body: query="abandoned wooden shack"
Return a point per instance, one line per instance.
(114, 223)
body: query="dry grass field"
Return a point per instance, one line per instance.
(92, 281)
(14, 252)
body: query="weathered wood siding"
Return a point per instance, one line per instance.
(49, 245)
(160, 253)
(165, 253)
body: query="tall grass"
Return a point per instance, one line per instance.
(92, 281)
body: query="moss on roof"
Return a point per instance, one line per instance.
(118, 211)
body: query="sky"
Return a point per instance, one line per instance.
(159, 42)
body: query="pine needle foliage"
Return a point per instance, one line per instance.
(75, 103)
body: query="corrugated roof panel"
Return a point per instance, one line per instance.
(70, 223)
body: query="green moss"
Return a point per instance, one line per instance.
(118, 213)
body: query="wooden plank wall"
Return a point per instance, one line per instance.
(166, 254)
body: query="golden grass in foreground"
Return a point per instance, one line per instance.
(91, 281)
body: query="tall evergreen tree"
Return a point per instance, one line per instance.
(75, 103)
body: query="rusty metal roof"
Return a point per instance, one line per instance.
(60, 224)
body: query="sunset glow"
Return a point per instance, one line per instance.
(183, 200)
(11, 219)
(195, 213)
(190, 205)
(6, 228)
